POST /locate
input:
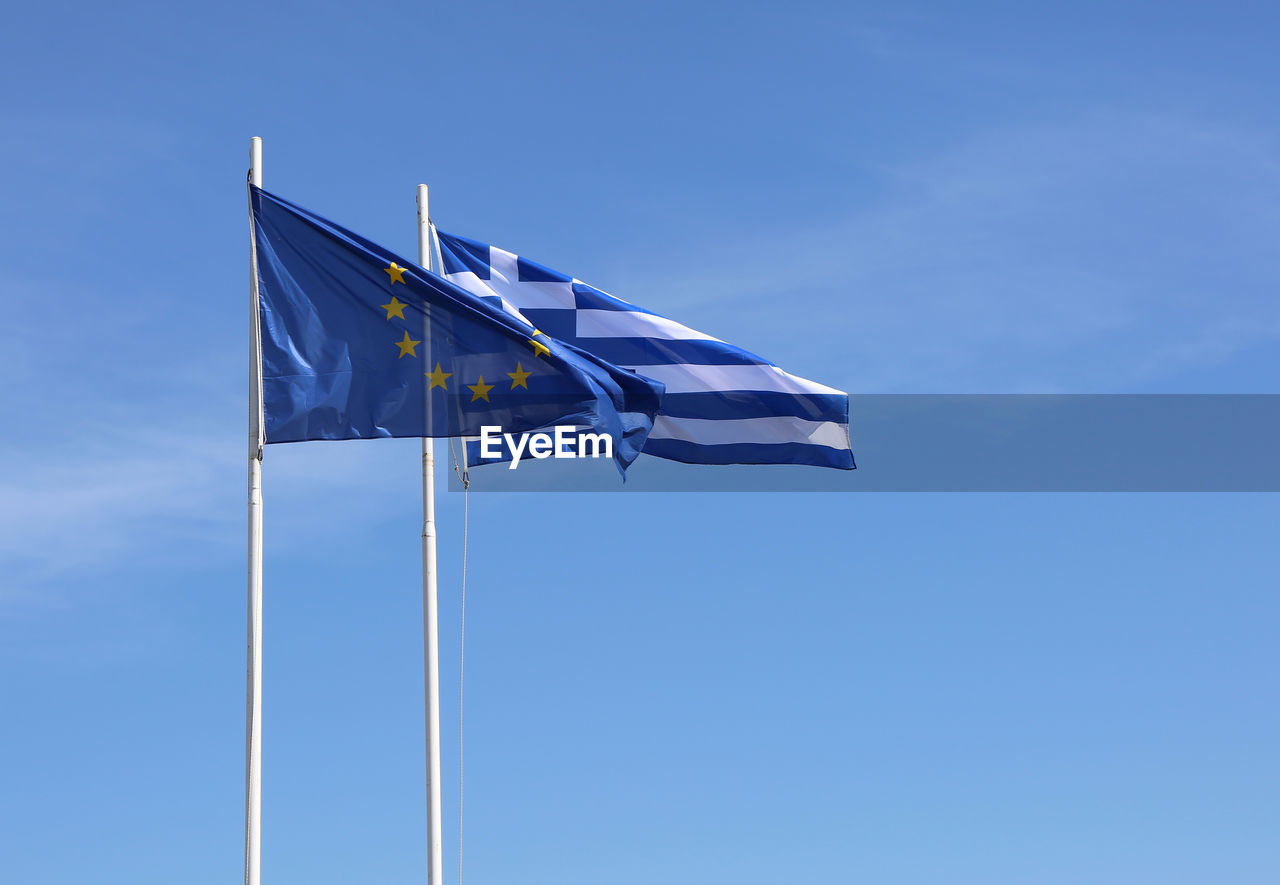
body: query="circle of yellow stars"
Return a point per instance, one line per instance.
(440, 378)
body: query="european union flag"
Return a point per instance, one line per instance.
(359, 343)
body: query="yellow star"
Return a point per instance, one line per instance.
(394, 309)
(407, 346)
(438, 377)
(539, 349)
(480, 390)
(396, 272)
(519, 378)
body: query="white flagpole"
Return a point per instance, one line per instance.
(430, 627)
(253, 687)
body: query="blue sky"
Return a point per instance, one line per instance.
(905, 688)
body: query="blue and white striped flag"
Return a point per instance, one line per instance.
(723, 404)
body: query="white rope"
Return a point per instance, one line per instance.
(465, 478)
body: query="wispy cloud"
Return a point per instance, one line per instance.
(70, 508)
(1103, 251)
(151, 496)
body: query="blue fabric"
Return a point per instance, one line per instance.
(347, 347)
(745, 453)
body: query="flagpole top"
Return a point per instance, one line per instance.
(255, 161)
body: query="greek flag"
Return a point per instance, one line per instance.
(723, 404)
